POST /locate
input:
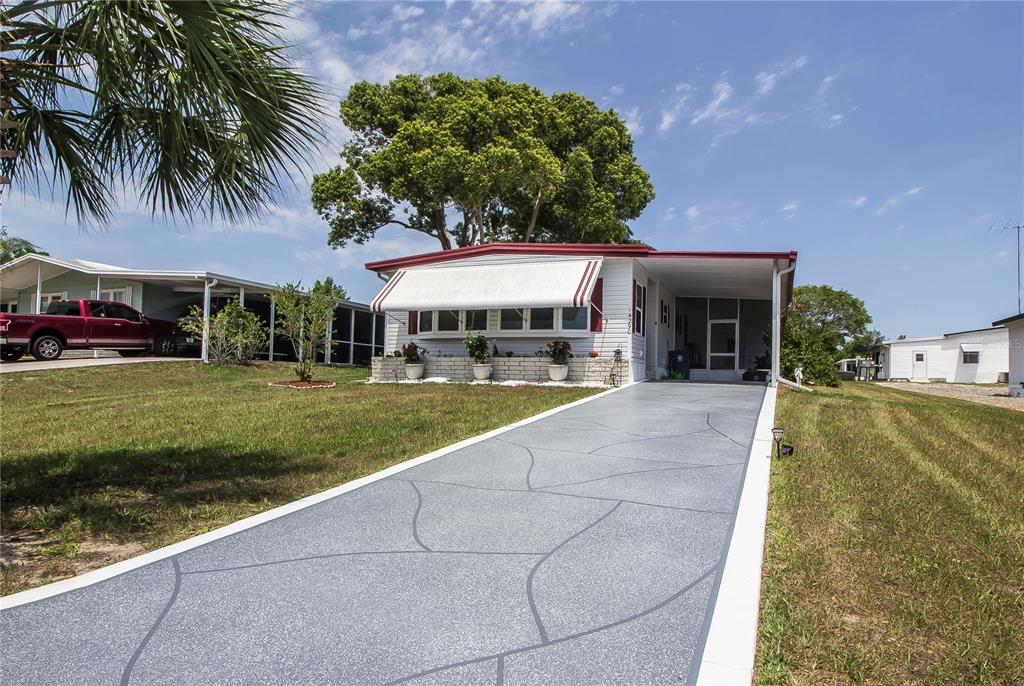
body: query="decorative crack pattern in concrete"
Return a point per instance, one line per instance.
(127, 674)
(550, 554)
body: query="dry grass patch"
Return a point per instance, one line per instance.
(100, 464)
(895, 549)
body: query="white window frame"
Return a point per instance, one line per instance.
(976, 353)
(47, 298)
(14, 304)
(495, 330)
(123, 290)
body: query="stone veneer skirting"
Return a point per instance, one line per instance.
(581, 369)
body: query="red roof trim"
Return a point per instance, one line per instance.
(593, 249)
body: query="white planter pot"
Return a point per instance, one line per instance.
(414, 371)
(481, 372)
(558, 372)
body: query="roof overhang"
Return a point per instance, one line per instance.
(1014, 319)
(971, 347)
(550, 283)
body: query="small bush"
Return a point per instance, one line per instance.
(236, 336)
(477, 347)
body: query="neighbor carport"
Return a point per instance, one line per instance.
(582, 548)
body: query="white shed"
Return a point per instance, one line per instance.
(976, 356)
(1015, 334)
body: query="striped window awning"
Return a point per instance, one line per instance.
(544, 283)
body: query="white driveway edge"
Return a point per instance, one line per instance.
(118, 568)
(728, 656)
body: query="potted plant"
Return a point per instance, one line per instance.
(479, 350)
(413, 355)
(558, 351)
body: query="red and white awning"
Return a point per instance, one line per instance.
(544, 283)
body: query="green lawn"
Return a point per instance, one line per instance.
(101, 464)
(895, 550)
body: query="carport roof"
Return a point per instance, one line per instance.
(22, 273)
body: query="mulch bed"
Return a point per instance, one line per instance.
(302, 384)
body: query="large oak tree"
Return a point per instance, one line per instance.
(469, 161)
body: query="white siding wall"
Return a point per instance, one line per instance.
(945, 359)
(1016, 341)
(616, 275)
(638, 343)
(660, 336)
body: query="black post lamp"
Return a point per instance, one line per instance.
(777, 435)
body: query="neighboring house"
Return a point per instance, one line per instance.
(631, 304)
(1015, 335)
(30, 282)
(976, 356)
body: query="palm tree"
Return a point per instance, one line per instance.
(192, 103)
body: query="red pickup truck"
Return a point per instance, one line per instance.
(83, 325)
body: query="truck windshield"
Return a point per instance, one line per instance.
(68, 308)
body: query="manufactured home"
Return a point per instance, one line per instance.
(31, 282)
(976, 356)
(630, 312)
(1015, 342)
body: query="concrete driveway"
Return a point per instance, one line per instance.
(582, 548)
(28, 364)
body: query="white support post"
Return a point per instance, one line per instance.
(776, 325)
(241, 297)
(373, 333)
(39, 287)
(352, 336)
(206, 320)
(327, 344)
(99, 287)
(302, 329)
(270, 353)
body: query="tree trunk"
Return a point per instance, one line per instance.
(533, 215)
(441, 227)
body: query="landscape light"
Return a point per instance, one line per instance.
(777, 435)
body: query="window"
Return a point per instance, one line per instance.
(448, 320)
(639, 309)
(122, 312)
(575, 318)
(426, 321)
(542, 319)
(97, 310)
(116, 294)
(68, 308)
(971, 357)
(476, 320)
(10, 307)
(918, 357)
(511, 320)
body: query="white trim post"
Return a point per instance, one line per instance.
(206, 320)
(327, 343)
(776, 326)
(241, 297)
(99, 285)
(270, 352)
(39, 287)
(352, 336)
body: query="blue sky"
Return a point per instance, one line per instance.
(880, 140)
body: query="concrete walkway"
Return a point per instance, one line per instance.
(583, 548)
(29, 364)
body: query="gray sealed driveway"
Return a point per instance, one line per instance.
(583, 548)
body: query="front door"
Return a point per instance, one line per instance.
(920, 365)
(722, 349)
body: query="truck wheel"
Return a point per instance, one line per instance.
(11, 354)
(47, 347)
(165, 346)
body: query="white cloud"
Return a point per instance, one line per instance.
(682, 95)
(834, 121)
(790, 208)
(405, 12)
(897, 199)
(670, 215)
(632, 119)
(767, 80)
(617, 89)
(693, 213)
(715, 110)
(857, 201)
(826, 83)
(356, 32)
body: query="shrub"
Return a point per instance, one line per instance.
(558, 351)
(302, 318)
(477, 347)
(412, 353)
(235, 336)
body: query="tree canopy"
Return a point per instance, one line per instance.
(825, 325)
(469, 161)
(192, 103)
(12, 247)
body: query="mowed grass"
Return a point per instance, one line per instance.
(100, 464)
(895, 550)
